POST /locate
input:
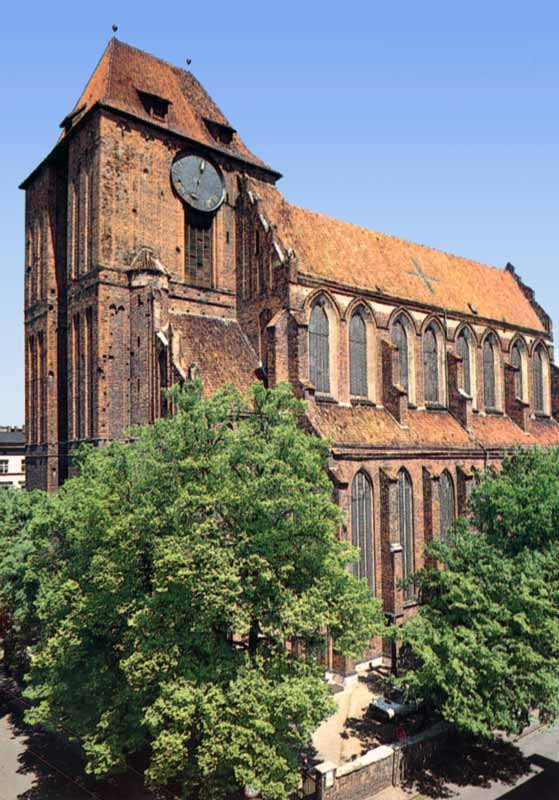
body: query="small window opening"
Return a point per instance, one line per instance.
(157, 107)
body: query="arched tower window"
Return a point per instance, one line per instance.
(358, 355)
(400, 340)
(405, 504)
(431, 366)
(539, 367)
(362, 527)
(447, 503)
(490, 372)
(517, 360)
(319, 347)
(464, 350)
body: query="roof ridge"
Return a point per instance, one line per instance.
(151, 55)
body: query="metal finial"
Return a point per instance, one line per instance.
(115, 28)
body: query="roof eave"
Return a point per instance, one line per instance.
(103, 104)
(382, 297)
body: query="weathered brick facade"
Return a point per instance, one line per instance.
(113, 316)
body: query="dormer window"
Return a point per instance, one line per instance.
(220, 132)
(157, 107)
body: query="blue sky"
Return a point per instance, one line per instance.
(437, 122)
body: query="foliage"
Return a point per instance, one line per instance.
(180, 567)
(25, 556)
(486, 640)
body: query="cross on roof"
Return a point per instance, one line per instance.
(422, 276)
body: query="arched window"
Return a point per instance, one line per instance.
(431, 366)
(447, 503)
(362, 527)
(358, 355)
(405, 505)
(490, 372)
(464, 350)
(319, 347)
(517, 360)
(400, 340)
(539, 366)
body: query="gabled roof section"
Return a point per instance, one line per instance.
(124, 73)
(328, 249)
(218, 349)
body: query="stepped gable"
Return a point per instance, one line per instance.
(124, 73)
(347, 254)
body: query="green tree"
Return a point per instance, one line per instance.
(486, 641)
(24, 557)
(185, 565)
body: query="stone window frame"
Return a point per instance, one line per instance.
(363, 527)
(466, 334)
(521, 384)
(432, 325)
(407, 530)
(490, 338)
(539, 348)
(447, 503)
(402, 318)
(330, 309)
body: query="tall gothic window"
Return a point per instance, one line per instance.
(431, 366)
(464, 350)
(319, 347)
(405, 504)
(490, 372)
(358, 355)
(539, 383)
(362, 527)
(447, 504)
(198, 248)
(400, 339)
(518, 362)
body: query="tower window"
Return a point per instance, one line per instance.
(198, 248)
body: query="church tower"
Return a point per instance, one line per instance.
(130, 264)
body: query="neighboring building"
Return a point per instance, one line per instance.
(158, 246)
(12, 458)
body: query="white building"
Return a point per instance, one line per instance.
(12, 458)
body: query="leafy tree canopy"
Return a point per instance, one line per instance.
(486, 641)
(174, 574)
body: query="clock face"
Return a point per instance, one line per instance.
(198, 183)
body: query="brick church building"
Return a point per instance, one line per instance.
(159, 247)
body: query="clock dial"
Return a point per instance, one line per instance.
(198, 183)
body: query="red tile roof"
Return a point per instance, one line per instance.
(375, 427)
(365, 425)
(124, 71)
(219, 349)
(495, 431)
(545, 431)
(348, 254)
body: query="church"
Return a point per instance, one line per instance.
(158, 247)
